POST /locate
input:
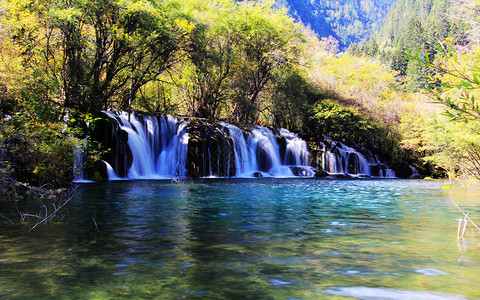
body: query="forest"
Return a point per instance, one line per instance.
(349, 21)
(408, 92)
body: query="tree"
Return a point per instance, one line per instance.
(414, 38)
(289, 100)
(210, 48)
(467, 11)
(372, 47)
(451, 146)
(98, 51)
(457, 79)
(268, 42)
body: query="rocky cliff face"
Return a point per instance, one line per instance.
(210, 150)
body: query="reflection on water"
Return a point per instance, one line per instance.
(249, 239)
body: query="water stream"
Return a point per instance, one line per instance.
(159, 146)
(249, 239)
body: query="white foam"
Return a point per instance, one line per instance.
(368, 293)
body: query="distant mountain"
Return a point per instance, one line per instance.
(349, 21)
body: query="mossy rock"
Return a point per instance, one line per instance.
(210, 150)
(316, 158)
(282, 144)
(321, 173)
(98, 172)
(376, 170)
(402, 169)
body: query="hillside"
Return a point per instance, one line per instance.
(432, 14)
(349, 21)
(416, 25)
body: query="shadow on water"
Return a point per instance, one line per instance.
(247, 239)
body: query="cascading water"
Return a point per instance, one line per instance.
(264, 144)
(245, 157)
(158, 148)
(357, 163)
(297, 155)
(173, 156)
(296, 151)
(110, 172)
(165, 147)
(260, 153)
(415, 173)
(340, 159)
(78, 175)
(389, 173)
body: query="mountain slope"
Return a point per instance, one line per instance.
(431, 13)
(350, 21)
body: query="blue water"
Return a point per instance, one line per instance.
(249, 239)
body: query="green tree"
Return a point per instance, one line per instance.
(415, 39)
(290, 100)
(89, 53)
(268, 42)
(210, 48)
(372, 47)
(328, 118)
(399, 63)
(457, 81)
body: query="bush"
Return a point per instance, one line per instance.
(35, 153)
(344, 123)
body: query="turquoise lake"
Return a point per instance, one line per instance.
(249, 239)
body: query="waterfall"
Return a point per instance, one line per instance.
(389, 173)
(173, 156)
(165, 147)
(357, 163)
(260, 153)
(343, 160)
(245, 160)
(78, 174)
(264, 144)
(297, 155)
(159, 148)
(111, 173)
(415, 173)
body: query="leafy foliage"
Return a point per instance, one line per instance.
(34, 153)
(81, 54)
(457, 81)
(342, 123)
(455, 85)
(241, 61)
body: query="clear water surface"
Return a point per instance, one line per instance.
(249, 239)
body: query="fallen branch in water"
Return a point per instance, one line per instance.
(465, 214)
(95, 222)
(61, 202)
(465, 222)
(176, 179)
(7, 219)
